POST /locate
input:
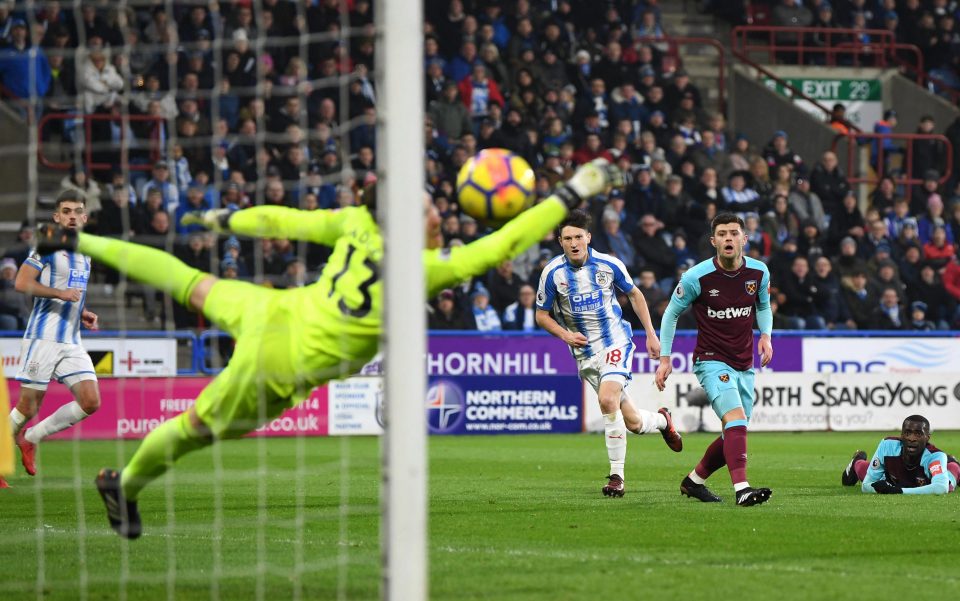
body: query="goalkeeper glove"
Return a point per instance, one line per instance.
(215, 220)
(589, 180)
(885, 487)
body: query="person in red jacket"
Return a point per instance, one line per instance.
(478, 91)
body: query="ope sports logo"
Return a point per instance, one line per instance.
(445, 407)
(730, 312)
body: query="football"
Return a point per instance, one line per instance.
(495, 185)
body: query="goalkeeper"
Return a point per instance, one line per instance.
(906, 464)
(290, 341)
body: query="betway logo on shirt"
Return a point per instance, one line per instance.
(729, 312)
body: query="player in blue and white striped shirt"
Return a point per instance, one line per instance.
(580, 288)
(51, 341)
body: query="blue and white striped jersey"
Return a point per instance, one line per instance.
(53, 319)
(584, 299)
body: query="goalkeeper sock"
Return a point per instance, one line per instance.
(712, 460)
(616, 435)
(61, 419)
(145, 264)
(17, 420)
(735, 452)
(651, 422)
(158, 452)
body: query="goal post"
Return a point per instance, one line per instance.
(400, 151)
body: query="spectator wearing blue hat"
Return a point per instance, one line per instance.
(484, 316)
(778, 152)
(918, 318)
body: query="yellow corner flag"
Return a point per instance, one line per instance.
(6, 439)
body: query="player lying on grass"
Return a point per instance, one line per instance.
(290, 341)
(906, 464)
(580, 288)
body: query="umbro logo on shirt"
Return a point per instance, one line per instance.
(714, 292)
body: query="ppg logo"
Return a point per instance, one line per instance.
(851, 367)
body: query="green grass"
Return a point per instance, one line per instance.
(511, 517)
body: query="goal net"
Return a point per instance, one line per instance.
(150, 110)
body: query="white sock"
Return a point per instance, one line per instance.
(695, 477)
(651, 422)
(17, 420)
(740, 486)
(61, 419)
(615, 433)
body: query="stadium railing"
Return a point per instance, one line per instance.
(153, 144)
(908, 178)
(881, 51)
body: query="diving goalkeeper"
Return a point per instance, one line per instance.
(290, 341)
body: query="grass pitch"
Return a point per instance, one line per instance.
(511, 517)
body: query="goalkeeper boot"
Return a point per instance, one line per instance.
(614, 486)
(28, 454)
(3, 483)
(748, 497)
(51, 237)
(849, 475)
(699, 492)
(670, 434)
(123, 515)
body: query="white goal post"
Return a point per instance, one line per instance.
(400, 158)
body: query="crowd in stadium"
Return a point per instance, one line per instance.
(558, 82)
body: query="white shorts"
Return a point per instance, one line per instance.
(610, 364)
(43, 360)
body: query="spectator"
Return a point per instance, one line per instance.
(160, 181)
(889, 315)
(921, 194)
(758, 242)
(802, 295)
(503, 285)
(22, 63)
(614, 241)
(810, 242)
(485, 318)
(709, 154)
(737, 197)
(938, 251)
(787, 13)
(79, 181)
(838, 119)
(195, 202)
(521, 314)
(806, 204)
(653, 250)
(848, 222)
(644, 196)
(927, 154)
(849, 261)
(889, 147)
(918, 318)
(829, 182)
(885, 195)
(445, 314)
(933, 218)
(13, 304)
(778, 152)
(653, 294)
(861, 302)
(780, 222)
(829, 303)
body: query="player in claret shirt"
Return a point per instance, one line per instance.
(906, 464)
(725, 292)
